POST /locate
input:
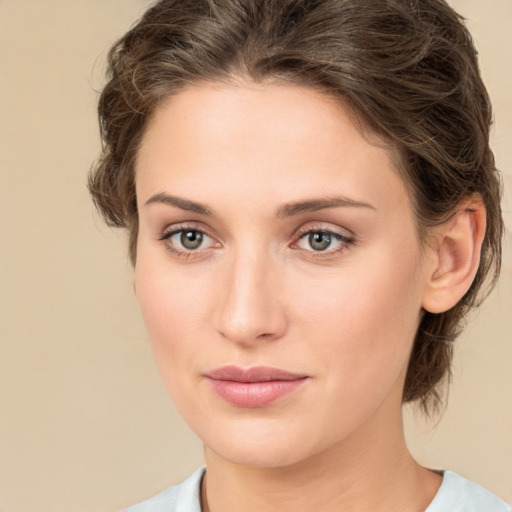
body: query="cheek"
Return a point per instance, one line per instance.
(364, 318)
(174, 306)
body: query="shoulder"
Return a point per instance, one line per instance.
(457, 494)
(184, 497)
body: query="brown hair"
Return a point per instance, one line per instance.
(408, 68)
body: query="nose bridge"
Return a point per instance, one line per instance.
(250, 308)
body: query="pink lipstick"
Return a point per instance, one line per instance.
(253, 387)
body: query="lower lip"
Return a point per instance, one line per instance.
(254, 394)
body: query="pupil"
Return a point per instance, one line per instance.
(191, 239)
(319, 241)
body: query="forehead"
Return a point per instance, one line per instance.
(283, 106)
(278, 138)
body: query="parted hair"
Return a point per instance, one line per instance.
(408, 69)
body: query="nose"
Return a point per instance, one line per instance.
(250, 308)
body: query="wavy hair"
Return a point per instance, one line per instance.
(407, 68)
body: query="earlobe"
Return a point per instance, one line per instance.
(454, 256)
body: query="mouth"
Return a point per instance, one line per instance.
(254, 387)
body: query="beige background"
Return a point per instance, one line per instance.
(84, 423)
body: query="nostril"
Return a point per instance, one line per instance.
(265, 335)
(248, 334)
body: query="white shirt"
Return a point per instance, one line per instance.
(456, 494)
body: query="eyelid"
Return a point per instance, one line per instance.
(324, 228)
(176, 228)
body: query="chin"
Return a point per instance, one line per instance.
(265, 457)
(258, 445)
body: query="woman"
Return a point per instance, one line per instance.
(313, 208)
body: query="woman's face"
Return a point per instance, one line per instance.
(277, 245)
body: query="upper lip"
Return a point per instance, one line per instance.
(253, 374)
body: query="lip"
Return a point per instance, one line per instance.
(254, 387)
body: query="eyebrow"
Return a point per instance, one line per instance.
(286, 210)
(313, 205)
(179, 202)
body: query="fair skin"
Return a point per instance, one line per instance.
(302, 254)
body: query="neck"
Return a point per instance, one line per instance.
(372, 471)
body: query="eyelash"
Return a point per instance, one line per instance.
(345, 241)
(182, 253)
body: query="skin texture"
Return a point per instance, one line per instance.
(256, 293)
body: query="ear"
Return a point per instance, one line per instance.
(454, 256)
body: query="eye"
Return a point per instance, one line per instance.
(320, 240)
(190, 239)
(184, 240)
